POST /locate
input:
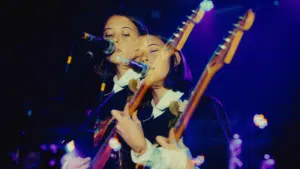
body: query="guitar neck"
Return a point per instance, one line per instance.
(138, 97)
(192, 105)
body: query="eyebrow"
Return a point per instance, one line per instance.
(127, 28)
(107, 29)
(153, 44)
(121, 28)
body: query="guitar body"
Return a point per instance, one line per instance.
(101, 129)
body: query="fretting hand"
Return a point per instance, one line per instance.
(72, 162)
(130, 129)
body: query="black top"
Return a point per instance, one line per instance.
(84, 141)
(204, 134)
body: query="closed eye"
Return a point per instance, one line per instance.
(109, 35)
(152, 51)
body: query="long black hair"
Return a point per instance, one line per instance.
(179, 77)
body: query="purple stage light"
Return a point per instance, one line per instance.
(52, 162)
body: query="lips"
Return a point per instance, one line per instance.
(118, 50)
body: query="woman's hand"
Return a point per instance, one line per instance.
(71, 162)
(130, 129)
(171, 144)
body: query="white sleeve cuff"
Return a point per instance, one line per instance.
(173, 159)
(160, 158)
(143, 158)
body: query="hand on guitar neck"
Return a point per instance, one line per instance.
(130, 129)
(69, 161)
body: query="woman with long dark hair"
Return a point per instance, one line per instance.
(169, 96)
(124, 32)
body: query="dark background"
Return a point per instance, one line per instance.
(263, 77)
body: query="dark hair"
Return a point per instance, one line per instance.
(105, 69)
(180, 78)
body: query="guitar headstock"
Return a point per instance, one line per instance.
(177, 41)
(225, 52)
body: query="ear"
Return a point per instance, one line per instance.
(177, 59)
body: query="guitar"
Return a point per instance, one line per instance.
(175, 43)
(223, 55)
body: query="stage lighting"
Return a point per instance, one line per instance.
(70, 146)
(52, 162)
(268, 162)
(267, 156)
(29, 113)
(260, 121)
(199, 160)
(114, 144)
(206, 5)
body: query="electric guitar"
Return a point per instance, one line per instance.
(223, 55)
(175, 44)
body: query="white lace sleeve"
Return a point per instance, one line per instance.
(160, 158)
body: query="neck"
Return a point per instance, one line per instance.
(121, 70)
(158, 93)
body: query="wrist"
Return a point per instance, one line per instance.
(142, 150)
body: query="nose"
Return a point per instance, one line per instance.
(116, 39)
(144, 59)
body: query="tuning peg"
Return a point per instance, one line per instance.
(176, 35)
(222, 46)
(236, 25)
(194, 11)
(241, 17)
(180, 29)
(227, 40)
(217, 53)
(230, 32)
(170, 40)
(183, 23)
(189, 17)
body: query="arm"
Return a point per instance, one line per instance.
(169, 156)
(164, 158)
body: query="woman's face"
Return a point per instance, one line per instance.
(153, 52)
(124, 33)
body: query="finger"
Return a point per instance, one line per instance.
(86, 160)
(117, 114)
(136, 119)
(126, 110)
(120, 131)
(172, 137)
(82, 162)
(86, 166)
(162, 141)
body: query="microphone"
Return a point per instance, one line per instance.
(138, 67)
(107, 46)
